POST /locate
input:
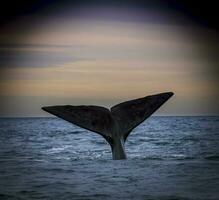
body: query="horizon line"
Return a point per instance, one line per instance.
(203, 115)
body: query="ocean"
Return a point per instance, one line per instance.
(169, 158)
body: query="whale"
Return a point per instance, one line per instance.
(114, 124)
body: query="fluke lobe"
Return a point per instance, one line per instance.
(115, 124)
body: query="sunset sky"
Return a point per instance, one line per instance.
(103, 54)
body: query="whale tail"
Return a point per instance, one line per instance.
(115, 124)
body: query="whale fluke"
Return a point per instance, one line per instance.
(115, 124)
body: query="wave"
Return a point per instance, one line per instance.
(75, 132)
(212, 157)
(8, 197)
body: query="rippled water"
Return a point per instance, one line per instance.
(168, 158)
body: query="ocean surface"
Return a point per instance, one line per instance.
(168, 158)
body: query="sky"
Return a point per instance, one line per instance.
(104, 53)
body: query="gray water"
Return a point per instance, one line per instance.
(168, 158)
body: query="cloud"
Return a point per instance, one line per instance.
(34, 55)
